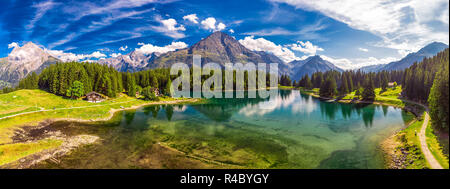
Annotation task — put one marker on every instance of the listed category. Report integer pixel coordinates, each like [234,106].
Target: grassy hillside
[29,107]
[37,105]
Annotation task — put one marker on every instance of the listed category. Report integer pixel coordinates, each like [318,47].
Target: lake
[296,131]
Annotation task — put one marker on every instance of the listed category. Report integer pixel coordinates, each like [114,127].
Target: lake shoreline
[392,156]
[34,158]
[112,111]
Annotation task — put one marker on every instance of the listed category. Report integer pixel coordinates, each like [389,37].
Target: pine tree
[369,90]
[439,99]
[168,88]
[328,88]
[343,89]
[308,83]
[131,86]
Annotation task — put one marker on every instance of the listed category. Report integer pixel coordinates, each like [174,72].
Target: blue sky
[348,33]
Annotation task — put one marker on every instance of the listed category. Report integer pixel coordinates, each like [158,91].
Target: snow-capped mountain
[24,60]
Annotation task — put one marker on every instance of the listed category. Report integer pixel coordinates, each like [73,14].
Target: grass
[409,139]
[56,107]
[388,97]
[13,152]
[435,148]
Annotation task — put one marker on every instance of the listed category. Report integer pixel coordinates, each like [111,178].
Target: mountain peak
[432,48]
[24,60]
[316,57]
[220,43]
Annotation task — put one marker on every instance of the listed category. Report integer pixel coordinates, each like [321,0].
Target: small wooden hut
[155,90]
[94,97]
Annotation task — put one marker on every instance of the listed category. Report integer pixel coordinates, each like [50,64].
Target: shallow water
[292,131]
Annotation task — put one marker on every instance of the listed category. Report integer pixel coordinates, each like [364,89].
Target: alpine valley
[218,47]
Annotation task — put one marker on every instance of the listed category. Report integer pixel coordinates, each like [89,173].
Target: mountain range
[312,64]
[220,48]
[23,60]
[426,52]
[217,47]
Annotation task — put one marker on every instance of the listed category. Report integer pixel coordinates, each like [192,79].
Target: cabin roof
[93,93]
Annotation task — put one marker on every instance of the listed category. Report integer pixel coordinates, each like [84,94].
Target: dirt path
[423,145]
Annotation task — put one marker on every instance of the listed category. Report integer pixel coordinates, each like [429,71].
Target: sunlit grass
[12,152]
[435,148]
[57,107]
[409,138]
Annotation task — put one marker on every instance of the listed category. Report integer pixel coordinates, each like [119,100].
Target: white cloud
[65,57]
[402,25]
[169,28]
[261,44]
[123,48]
[114,55]
[13,45]
[360,62]
[41,9]
[220,26]
[305,47]
[231,31]
[357,62]
[97,54]
[191,17]
[363,49]
[96,25]
[209,23]
[306,32]
[339,62]
[149,48]
[171,23]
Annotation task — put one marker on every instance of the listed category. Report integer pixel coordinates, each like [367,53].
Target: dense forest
[334,83]
[75,79]
[425,82]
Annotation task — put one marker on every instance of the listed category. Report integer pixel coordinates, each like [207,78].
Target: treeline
[418,79]
[334,83]
[438,100]
[74,79]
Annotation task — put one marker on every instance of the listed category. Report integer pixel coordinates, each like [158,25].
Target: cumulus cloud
[191,17]
[402,25]
[363,49]
[261,44]
[13,45]
[170,27]
[171,23]
[149,48]
[114,55]
[231,31]
[123,48]
[66,57]
[210,24]
[305,47]
[221,26]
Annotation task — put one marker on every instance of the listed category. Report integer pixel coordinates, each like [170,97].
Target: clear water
[298,131]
